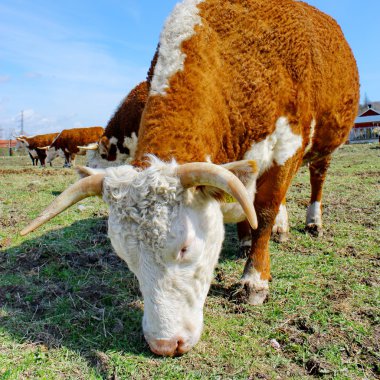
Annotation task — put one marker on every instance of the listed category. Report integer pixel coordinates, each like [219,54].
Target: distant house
[367,127]
[7,143]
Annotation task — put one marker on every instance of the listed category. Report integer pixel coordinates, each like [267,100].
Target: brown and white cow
[68,141]
[119,141]
[260,86]
[33,144]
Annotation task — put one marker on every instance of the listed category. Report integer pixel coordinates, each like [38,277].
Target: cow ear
[84,171]
[246,170]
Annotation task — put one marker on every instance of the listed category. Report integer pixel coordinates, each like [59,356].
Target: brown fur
[249,63]
[70,139]
[124,122]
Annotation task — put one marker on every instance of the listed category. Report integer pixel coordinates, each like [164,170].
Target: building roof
[367,119]
[370,112]
[370,115]
[5,143]
[373,108]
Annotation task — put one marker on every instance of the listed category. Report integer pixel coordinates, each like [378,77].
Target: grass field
[70,309]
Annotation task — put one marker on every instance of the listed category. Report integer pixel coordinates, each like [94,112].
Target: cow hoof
[244,294]
[280,237]
[314,230]
[257,297]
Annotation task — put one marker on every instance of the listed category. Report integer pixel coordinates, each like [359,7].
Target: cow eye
[182,252]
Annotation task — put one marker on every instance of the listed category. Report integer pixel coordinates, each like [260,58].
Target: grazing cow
[33,145]
[258,85]
[119,141]
[67,142]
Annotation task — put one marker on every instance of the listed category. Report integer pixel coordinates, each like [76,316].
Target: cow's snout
[169,347]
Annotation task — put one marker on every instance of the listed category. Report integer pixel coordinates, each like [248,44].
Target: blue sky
[69,63]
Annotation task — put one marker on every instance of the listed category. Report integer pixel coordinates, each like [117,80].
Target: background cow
[259,85]
[119,141]
[67,142]
[33,144]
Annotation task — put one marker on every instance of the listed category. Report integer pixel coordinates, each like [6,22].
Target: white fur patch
[314,214]
[277,148]
[152,218]
[311,136]
[131,144]
[94,159]
[232,212]
[281,223]
[23,143]
[246,242]
[52,153]
[33,153]
[178,28]
[254,281]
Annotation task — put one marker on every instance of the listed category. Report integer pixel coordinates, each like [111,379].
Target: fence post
[10,148]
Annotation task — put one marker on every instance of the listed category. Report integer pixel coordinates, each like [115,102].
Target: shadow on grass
[68,288]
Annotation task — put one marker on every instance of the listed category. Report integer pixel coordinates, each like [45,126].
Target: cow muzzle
[169,347]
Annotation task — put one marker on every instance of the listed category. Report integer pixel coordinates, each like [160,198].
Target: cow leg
[67,160]
[317,171]
[245,238]
[32,158]
[72,159]
[271,191]
[280,229]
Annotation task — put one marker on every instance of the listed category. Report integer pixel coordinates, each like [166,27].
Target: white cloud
[4,78]
[80,81]
[32,75]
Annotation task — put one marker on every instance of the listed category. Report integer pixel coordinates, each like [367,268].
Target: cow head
[52,152]
[166,222]
[107,151]
[22,142]
[102,154]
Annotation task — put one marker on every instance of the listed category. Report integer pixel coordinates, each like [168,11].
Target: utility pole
[22,123]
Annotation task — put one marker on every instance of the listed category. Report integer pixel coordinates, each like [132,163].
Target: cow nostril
[181,347]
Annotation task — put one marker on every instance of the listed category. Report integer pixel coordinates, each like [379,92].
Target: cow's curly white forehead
[144,203]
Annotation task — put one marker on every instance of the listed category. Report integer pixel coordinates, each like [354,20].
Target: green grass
[70,309]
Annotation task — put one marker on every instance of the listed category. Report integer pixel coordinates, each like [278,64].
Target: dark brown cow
[119,141]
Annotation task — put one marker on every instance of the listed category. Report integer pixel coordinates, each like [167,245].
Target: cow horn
[207,174]
[86,187]
[93,146]
[43,147]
